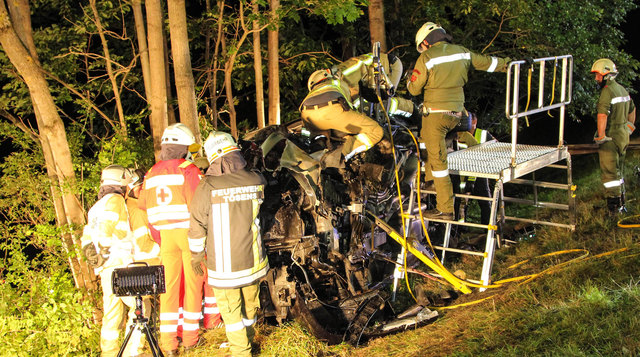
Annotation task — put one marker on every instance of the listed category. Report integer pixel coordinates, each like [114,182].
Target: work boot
[435,214]
[614,205]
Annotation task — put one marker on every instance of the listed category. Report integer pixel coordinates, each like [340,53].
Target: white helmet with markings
[318,76]
[179,134]
[218,144]
[424,31]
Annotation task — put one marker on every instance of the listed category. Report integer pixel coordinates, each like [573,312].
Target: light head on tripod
[138,279]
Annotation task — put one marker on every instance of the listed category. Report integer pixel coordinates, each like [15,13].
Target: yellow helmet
[424,31]
[604,66]
[115,175]
[318,76]
[218,144]
[178,133]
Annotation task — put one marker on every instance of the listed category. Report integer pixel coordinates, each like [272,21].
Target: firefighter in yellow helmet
[616,116]
[224,237]
[328,107]
[107,243]
[440,73]
[166,197]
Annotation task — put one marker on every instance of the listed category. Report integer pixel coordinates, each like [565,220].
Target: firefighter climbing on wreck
[441,73]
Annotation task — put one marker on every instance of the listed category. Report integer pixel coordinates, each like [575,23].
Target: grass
[584,303]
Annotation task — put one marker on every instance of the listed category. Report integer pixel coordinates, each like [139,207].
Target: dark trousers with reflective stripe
[435,127]
[612,156]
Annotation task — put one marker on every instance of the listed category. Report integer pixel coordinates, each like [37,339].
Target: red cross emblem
[163,195]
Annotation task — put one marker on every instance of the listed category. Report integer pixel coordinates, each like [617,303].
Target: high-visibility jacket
[167,192]
[225,223]
[442,71]
[145,247]
[327,91]
[361,68]
[108,229]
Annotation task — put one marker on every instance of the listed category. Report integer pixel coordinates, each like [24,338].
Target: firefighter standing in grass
[107,243]
[441,73]
[224,237]
[166,197]
[328,107]
[616,116]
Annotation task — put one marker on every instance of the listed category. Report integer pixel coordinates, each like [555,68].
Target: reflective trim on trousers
[248,322]
[190,327]
[494,64]
[192,315]
[235,326]
[442,173]
[614,183]
[211,310]
[210,300]
[169,328]
[357,150]
[164,316]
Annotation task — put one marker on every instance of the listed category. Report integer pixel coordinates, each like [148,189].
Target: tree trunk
[52,137]
[158,96]
[143,48]
[183,73]
[273,65]
[109,67]
[376,24]
[257,65]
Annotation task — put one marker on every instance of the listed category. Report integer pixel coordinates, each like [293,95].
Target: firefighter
[224,237]
[328,107]
[107,243]
[360,74]
[616,116]
[146,249]
[441,73]
[166,196]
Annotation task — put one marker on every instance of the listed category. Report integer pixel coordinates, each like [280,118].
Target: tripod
[141,322]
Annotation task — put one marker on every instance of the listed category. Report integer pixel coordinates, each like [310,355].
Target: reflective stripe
[443,173]
[160,227]
[356,103]
[197,244]
[221,239]
[109,334]
[357,66]
[611,184]
[190,327]
[211,310]
[168,316]
[359,149]
[226,280]
[494,64]
[210,300]
[123,226]
[109,216]
[234,327]
[446,59]
[172,209]
[192,315]
[620,99]
[168,328]
[248,322]
[140,232]
[164,180]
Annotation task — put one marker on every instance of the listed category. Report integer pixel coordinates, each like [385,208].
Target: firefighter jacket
[108,230]
[225,223]
[328,91]
[441,72]
[145,247]
[167,192]
[362,69]
[616,103]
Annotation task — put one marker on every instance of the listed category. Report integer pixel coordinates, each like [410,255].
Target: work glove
[601,140]
[94,259]
[630,127]
[197,260]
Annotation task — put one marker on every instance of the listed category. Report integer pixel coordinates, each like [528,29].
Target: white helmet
[424,31]
[115,175]
[218,144]
[605,67]
[178,133]
[318,76]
